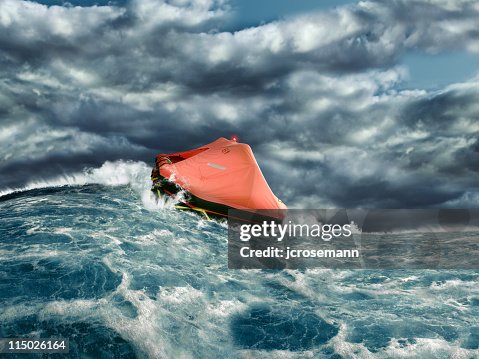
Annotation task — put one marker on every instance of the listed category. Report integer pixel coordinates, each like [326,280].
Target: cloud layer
[316,96]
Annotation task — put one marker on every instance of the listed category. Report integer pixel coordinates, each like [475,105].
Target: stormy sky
[325,96]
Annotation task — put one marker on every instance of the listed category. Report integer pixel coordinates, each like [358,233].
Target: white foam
[62,230]
[453,283]
[180,294]
[33,252]
[110,173]
[35,229]
[225,308]
[344,348]
[147,331]
[116,173]
[81,308]
[428,348]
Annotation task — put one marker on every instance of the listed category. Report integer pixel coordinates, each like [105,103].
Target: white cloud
[188,13]
[33,21]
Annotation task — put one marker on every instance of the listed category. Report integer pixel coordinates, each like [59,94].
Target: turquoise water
[94,258]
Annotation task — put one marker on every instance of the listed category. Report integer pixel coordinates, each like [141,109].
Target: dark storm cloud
[315,95]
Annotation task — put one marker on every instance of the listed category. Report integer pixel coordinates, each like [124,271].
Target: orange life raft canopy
[216,177]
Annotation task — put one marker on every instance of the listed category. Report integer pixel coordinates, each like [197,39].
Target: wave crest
[111,173]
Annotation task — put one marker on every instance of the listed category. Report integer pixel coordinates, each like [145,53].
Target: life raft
[215,178]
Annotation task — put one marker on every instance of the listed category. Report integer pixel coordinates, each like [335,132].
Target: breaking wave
[111,173]
[136,175]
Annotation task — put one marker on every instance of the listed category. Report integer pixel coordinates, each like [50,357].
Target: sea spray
[136,175]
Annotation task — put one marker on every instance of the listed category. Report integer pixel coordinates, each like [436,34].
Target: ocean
[94,257]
